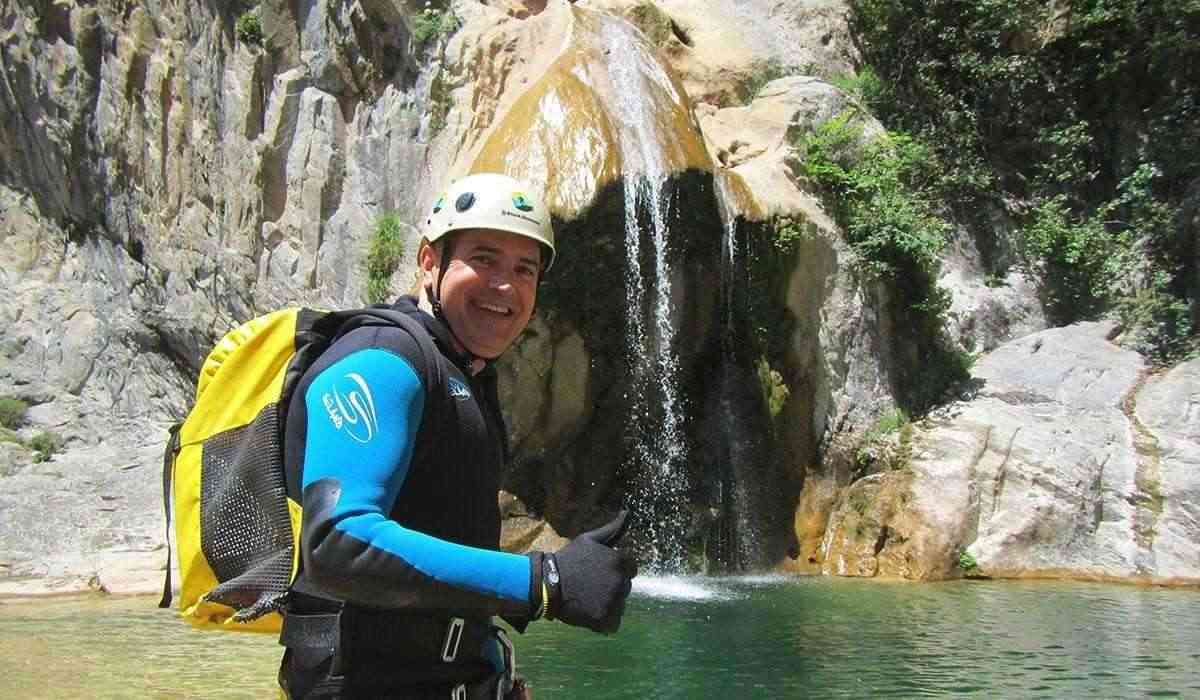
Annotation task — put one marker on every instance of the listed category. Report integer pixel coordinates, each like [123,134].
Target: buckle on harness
[459,692]
[450,649]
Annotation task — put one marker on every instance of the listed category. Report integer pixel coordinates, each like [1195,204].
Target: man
[396,444]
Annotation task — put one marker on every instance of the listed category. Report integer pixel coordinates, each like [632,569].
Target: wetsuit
[397,453]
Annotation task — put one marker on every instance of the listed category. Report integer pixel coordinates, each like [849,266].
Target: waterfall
[655,434]
[734,542]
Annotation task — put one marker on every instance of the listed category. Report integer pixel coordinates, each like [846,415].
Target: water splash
[696,588]
[706,588]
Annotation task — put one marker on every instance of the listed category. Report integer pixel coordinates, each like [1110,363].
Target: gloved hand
[593,579]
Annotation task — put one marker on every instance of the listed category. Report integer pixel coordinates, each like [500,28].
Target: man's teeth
[492,307]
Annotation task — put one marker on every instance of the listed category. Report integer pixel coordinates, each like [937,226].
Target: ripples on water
[686,637]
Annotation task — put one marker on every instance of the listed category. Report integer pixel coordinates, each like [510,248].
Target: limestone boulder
[1069,461]
[1165,419]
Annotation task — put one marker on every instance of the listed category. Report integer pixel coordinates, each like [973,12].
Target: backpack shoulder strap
[385,316]
[168,472]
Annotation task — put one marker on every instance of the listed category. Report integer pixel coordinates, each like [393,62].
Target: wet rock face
[569,380]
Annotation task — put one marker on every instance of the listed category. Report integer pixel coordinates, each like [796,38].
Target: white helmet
[491,201]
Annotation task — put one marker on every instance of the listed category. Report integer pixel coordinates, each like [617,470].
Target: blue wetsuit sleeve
[363,412]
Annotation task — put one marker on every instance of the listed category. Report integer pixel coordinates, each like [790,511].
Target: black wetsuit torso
[396,453]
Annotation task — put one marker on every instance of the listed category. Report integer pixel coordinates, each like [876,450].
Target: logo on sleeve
[459,390]
[353,410]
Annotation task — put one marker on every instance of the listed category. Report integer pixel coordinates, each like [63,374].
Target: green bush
[440,101]
[1046,112]
[1158,324]
[1072,258]
[865,86]
[45,445]
[881,196]
[967,562]
[431,24]
[249,28]
[773,387]
[1119,257]
[876,452]
[890,422]
[12,412]
[384,254]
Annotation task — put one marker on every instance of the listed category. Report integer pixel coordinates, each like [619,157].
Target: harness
[405,653]
[356,650]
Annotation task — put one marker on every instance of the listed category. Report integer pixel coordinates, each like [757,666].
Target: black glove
[588,580]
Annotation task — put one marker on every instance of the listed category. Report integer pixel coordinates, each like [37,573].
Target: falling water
[658,451]
[729,258]
[734,542]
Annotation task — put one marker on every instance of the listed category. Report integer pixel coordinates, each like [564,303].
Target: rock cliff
[166,174]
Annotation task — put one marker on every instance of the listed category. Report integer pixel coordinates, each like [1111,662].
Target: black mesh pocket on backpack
[245,530]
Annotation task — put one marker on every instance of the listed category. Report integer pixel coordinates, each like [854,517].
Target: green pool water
[749,637]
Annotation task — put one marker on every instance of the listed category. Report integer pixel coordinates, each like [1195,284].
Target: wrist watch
[553,583]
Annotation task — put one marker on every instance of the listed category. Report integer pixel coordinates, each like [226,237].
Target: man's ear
[428,259]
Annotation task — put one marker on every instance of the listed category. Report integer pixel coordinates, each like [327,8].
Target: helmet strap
[436,302]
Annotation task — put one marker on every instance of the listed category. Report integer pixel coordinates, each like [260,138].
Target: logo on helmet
[441,202]
[521,202]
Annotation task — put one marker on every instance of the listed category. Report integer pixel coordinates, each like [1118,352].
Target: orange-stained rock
[572,130]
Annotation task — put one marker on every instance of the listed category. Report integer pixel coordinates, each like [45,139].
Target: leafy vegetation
[440,101]
[12,416]
[967,562]
[45,445]
[878,451]
[249,28]
[865,85]
[879,194]
[770,254]
[432,23]
[882,191]
[383,257]
[1077,120]
[773,387]
[12,412]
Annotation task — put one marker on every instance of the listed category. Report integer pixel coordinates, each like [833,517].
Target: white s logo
[353,410]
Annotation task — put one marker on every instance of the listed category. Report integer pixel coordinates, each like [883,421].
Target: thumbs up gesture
[588,580]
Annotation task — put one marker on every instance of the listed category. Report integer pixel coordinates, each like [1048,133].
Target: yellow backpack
[236,529]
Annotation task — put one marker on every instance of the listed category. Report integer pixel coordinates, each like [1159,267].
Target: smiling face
[488,289]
